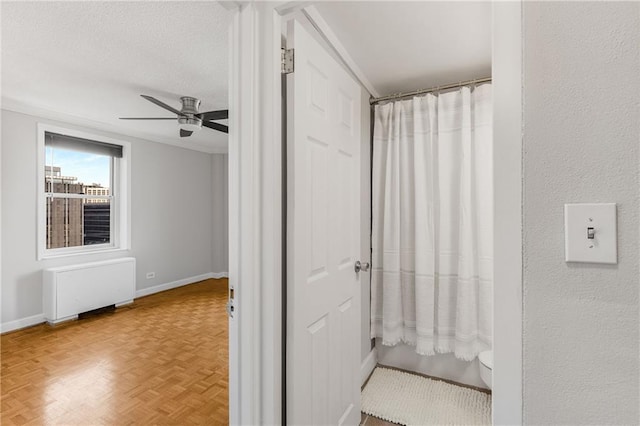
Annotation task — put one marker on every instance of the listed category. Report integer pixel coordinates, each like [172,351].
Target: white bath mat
[413,400]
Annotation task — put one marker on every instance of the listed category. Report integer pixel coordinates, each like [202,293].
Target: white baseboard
[179,283]
[367,366]
[217,275]
[21,323]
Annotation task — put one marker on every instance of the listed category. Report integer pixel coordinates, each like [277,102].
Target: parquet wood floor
[162,360]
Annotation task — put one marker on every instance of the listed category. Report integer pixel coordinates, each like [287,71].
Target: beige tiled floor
[368,420]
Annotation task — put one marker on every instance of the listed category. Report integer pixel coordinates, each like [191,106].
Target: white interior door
[323,237]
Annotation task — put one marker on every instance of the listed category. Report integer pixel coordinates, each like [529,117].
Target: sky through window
[88,168]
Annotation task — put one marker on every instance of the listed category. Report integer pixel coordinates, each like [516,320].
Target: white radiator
[71,290]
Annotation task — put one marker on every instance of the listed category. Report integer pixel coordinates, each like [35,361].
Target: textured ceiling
[404,46]
[92,60]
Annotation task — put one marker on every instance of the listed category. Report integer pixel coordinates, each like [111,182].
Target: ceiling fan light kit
[189,119]
[190,124]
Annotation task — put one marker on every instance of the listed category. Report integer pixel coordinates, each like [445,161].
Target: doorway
[262,23]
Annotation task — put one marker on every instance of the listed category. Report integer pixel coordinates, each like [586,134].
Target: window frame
[120,211]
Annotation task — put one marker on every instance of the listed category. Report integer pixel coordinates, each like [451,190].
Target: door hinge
[286,61]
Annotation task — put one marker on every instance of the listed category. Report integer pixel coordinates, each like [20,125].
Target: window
[83,193]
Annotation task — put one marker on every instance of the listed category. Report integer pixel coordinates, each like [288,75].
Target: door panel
[323,237]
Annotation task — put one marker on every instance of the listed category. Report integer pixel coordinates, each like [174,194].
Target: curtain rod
[373,101]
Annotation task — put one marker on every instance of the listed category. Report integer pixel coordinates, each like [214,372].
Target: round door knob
[361,266]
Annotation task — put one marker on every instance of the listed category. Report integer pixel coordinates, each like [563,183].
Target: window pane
[73,222]
[64,222]
[97,221]
[71,172]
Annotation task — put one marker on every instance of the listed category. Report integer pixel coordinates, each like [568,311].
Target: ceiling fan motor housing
[190,107]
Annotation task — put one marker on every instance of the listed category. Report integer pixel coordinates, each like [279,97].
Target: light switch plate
[602,248]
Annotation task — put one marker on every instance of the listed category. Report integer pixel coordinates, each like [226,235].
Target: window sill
[49,256]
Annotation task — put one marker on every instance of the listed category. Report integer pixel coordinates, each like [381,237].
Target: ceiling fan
[189,119]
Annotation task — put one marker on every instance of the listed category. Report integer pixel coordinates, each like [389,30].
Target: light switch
[590,233]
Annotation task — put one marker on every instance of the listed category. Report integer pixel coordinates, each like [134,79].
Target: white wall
[172,206]
[220,212]
[581,137]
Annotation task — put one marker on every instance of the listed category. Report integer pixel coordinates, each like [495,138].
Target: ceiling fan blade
[162,104]
[216,126]
[147,118]
[214,115]
[185,133]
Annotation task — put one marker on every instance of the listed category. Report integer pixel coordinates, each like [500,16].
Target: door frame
[255,211]
[507,51]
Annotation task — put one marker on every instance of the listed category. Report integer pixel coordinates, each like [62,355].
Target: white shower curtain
[432,272]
